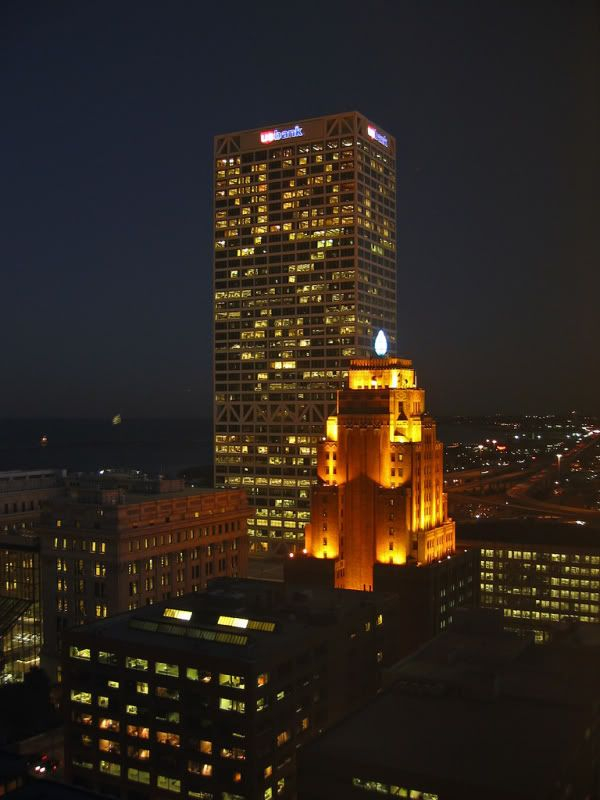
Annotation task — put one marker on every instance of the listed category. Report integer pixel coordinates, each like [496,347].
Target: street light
[558,458]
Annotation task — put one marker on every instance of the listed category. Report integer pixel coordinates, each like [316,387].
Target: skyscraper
[381,493]
[379,512]
[305,276]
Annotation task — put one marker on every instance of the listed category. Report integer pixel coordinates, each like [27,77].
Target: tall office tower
[305,275]
[381,493]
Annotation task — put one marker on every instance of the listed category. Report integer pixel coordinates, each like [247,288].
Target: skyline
[107,161]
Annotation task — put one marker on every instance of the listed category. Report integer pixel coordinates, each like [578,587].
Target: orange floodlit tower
[380,495]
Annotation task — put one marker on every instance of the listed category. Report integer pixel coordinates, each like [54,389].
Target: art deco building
[304,276]
[379,515]
[107,549]
[380,496]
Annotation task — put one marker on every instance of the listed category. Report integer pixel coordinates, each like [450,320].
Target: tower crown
[382,373]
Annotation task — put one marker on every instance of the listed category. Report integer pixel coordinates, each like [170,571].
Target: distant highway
[517,496]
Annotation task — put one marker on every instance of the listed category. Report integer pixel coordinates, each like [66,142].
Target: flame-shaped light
[381,345]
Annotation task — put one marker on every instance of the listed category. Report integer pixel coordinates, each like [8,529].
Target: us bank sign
[275,136]
[379,137]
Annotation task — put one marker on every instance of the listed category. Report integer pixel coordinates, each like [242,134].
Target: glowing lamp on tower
[381,345]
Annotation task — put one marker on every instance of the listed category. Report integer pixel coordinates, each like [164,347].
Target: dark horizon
[110,111]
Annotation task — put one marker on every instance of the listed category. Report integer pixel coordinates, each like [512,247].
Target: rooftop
[529,531]
[514,707]
[242,618]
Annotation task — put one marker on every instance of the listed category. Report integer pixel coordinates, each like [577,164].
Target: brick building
[108,549]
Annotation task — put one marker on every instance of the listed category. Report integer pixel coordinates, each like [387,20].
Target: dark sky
[107,115]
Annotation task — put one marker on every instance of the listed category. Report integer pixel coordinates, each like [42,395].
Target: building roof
[529,532]
[19,540]
[514,708]
[237,618]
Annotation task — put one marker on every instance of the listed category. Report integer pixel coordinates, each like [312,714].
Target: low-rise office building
[537,571]
[478,712]
[106,549]
[23,494]
[209,695]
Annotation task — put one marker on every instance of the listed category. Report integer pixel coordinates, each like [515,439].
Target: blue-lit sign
[379,137]
[275,136]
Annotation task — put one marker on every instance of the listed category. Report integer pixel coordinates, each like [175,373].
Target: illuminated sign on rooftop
[275,135]
[379,137]
[381,345]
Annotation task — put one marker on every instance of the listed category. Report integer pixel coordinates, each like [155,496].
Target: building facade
[107,550]
[20,605]
[210,696]
[304,276]
[538,572]
[23,494]
[379,513]
[380,495]
[478,712]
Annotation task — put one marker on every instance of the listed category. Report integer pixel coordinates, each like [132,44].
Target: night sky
[108,111]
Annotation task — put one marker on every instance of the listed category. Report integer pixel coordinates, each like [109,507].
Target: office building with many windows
[478,712]
[23,494]
[537,571]
[123,541]
[304,277]
[209,696]
[20,605]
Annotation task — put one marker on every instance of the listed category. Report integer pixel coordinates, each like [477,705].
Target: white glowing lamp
[381,345]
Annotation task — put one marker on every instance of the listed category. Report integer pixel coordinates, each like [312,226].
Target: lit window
[177,613]
[194,674]
[170,784]
[162,668]
[108,746]
[136,663]
[166,737]
[83,653]
[227,704]
[81,697]
[138,731]
[109,724]
[138,775]
[107,658]
[109,768]
[282,738]
[234,681]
